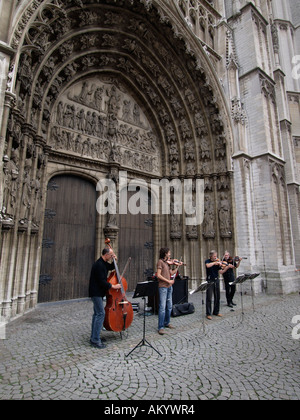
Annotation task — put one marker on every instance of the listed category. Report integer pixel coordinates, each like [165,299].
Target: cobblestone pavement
[47,355]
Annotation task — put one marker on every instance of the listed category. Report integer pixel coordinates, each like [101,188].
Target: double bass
[118,310]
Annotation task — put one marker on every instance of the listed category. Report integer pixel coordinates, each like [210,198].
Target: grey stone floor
[249,356]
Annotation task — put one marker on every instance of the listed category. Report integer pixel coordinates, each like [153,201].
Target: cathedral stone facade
[154,89]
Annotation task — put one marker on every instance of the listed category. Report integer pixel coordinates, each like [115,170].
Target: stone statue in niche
[11,180]
[170,133]
[216,123]
[113,201]
[189,150]
[175,218]
[174,169]
[192,232]
[206,167]
[177,107]
[191,98]
[221,165]
[185,129]
[36,185]
[220,146]
[34,117]
[225,216]
[190,168]
[204,146]
[209,217]
[25,73]
[223,183]
[26,193]
[17,133]
[60,113]
[201,128]
[175,225]
[173,153]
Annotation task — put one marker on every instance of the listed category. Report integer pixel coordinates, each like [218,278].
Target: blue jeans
[97,320]
[165,306]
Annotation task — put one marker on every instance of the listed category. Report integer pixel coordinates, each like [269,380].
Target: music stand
[240,280]
[202,288]
[143,289]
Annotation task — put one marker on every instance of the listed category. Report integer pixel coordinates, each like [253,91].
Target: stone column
[37,229]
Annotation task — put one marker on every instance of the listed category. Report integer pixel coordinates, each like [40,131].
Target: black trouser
[213,289]
[229,290]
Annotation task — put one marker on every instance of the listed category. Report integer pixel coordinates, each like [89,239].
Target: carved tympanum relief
[97,118]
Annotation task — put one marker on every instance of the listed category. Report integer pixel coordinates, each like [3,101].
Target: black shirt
[229,274]
[98,279]
[212,273]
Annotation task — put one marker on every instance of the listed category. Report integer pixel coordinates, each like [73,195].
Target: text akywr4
[171,409]
[157,409]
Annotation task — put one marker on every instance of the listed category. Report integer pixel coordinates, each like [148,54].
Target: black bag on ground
[183,309]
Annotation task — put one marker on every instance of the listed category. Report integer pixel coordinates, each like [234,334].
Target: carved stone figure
[36,185]
[11,174]
[26,193]
[225,216]
[209,218]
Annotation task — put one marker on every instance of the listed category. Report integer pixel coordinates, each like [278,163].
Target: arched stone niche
[105,85]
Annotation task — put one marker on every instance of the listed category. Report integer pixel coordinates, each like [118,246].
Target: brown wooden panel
[136,241]
[69,239]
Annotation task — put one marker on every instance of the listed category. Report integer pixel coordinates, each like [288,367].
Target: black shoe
[98,345]
[234,304]
[230,305]
[103,340]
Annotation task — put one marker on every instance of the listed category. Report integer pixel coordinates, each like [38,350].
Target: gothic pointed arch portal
[103,86]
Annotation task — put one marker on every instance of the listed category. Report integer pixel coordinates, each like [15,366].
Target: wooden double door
[69,241]
[136,241]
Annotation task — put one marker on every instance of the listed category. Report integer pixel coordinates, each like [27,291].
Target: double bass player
[98,288]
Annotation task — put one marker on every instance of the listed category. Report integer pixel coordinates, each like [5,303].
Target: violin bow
[125,268]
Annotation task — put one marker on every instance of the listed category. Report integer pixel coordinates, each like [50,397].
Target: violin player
[229,277]
[213,266]
[98,288]
[165,274]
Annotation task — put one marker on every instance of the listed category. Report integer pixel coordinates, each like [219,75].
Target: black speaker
[180,293]
[180,290]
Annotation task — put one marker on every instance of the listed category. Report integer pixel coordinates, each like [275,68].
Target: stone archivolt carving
[109,35]
[97,119]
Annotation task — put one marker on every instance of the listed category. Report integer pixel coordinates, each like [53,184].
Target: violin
[118,310]
[175,262]
[231,260]
[236,259]
[222,263]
